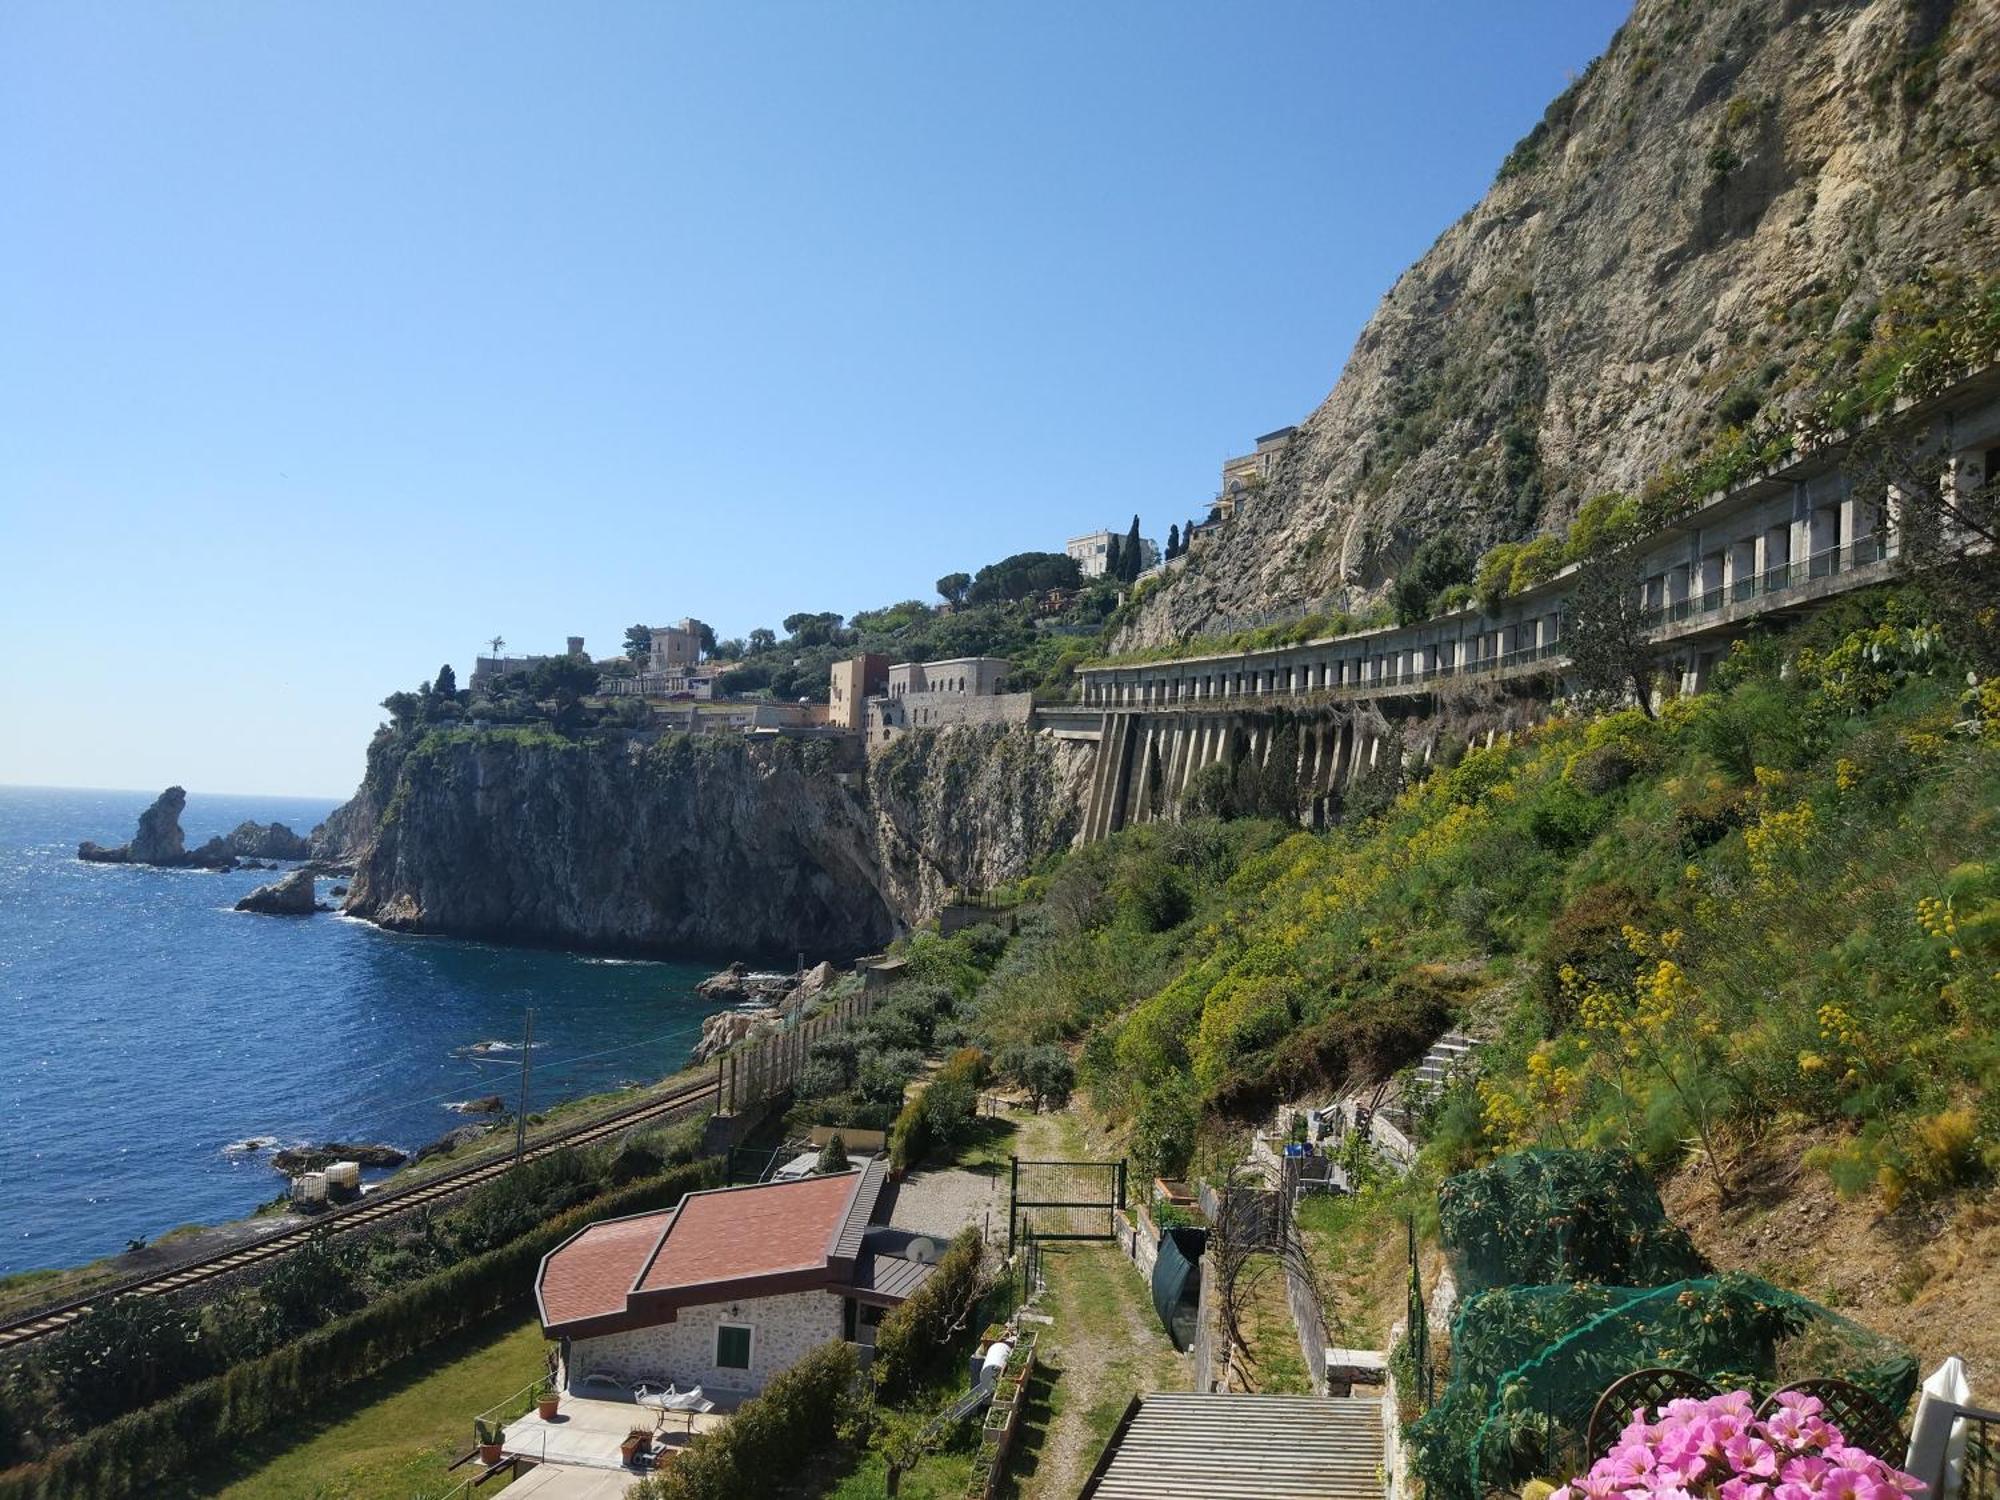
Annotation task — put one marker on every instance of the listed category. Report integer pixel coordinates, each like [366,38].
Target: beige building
[855,681]
[1092,551]
[675,648]
[936,694]
[1248,472]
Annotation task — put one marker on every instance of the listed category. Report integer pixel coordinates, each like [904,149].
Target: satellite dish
[923,1250]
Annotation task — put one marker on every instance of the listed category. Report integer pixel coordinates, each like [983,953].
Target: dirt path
[1104,1346]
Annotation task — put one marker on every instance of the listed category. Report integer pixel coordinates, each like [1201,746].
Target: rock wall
[970,807]
[700,844]
[1726,195]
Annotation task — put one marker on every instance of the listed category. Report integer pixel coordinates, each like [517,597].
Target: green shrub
[922,1336]
[801,1414]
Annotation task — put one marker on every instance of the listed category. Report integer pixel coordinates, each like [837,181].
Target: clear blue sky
[338,338]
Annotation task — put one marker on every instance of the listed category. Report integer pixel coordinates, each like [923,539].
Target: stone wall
[785,1329]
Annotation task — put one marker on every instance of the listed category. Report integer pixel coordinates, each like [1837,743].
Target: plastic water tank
[310,1187]
[995,1362]
[344,1174]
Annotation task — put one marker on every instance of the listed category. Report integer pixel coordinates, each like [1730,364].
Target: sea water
[146,1027]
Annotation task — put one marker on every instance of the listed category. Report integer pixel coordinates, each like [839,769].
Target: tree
[707,634]
[1946,528]
[1173,543]
[403,708]
[638,642]
[1604,629]
[953,587]
[812,629]
[832,1156]
[763,639]
[1023,576]
[1187,535]
[446,684]
[1114,560]
[731,649]
[1439,562]
[1135,554]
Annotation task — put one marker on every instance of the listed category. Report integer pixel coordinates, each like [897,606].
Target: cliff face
[699,844]
[971,808]
[1728,192]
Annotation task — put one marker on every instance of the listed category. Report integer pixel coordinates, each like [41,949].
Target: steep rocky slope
[1708,223]
[697,844]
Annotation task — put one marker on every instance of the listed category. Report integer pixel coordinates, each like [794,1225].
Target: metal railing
[1783,579]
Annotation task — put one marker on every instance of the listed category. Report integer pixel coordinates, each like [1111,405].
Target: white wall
[786,1329]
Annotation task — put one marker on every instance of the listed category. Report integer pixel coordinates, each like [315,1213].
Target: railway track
[370,1212]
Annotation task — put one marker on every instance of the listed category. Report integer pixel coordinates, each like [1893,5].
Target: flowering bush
[1720,1448]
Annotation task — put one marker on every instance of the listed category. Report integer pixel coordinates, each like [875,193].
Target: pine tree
[446,685]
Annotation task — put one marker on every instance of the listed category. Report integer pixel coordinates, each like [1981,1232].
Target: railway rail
[370,1212]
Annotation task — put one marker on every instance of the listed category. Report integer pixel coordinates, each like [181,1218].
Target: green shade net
[1177,1283]
[1546,1218]
[1530,1362]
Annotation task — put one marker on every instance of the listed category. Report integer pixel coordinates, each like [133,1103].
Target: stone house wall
[785,1329]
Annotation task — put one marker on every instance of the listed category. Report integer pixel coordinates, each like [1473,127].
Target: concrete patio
[589,1433]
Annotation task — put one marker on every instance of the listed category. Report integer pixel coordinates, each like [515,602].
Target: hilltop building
[1248,472]
[1092,551]
[855,681]
[487,670]
[883,701]
[675,648]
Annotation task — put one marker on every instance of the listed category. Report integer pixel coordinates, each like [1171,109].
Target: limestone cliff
[699,844]
[970,808]
[1729,198]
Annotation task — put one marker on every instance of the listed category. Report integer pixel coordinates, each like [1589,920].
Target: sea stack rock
[159,841]
[268,841]
[290,897]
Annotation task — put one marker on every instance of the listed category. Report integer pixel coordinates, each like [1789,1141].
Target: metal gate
[1064,1200]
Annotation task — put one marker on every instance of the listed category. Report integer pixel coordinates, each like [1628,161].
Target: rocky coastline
[160,843]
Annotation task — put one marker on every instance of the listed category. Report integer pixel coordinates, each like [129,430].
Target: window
[732,1346]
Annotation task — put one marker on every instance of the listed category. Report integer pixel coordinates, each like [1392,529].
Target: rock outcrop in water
[268,841]
[160,841]
[701,844]
[1708,224]
[293,896]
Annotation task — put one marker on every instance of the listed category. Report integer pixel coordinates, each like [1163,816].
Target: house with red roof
[730,1287]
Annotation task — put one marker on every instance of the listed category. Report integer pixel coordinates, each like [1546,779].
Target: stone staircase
[1450,1055]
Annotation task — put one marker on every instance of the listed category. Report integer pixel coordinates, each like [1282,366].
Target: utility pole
[527,1062]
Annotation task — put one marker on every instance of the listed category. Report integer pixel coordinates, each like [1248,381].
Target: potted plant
[487,1435]
[546,1401]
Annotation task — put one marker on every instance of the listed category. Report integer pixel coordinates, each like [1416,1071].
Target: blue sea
[145,1026]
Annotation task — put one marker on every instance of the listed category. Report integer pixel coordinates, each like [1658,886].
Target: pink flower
[1740,1488]
[1786,1428]
[1751,1456]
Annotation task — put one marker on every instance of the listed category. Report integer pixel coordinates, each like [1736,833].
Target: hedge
[801,1414]
[917,1337]
[204,1421]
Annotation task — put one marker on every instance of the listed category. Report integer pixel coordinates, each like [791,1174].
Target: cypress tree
[1173,543]
[1134,555]
[1114,563]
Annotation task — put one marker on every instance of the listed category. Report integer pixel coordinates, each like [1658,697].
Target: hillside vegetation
[1773,911]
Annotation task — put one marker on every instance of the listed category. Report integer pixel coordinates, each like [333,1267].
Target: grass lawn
[1277,1364]
[391,1436]
[939,1476]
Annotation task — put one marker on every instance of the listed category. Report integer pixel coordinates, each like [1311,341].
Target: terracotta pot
[489,1454]
[545,1407]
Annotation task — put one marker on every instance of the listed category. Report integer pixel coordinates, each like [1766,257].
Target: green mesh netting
[1177,1283]
[1529,1363]
[1546,1218]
